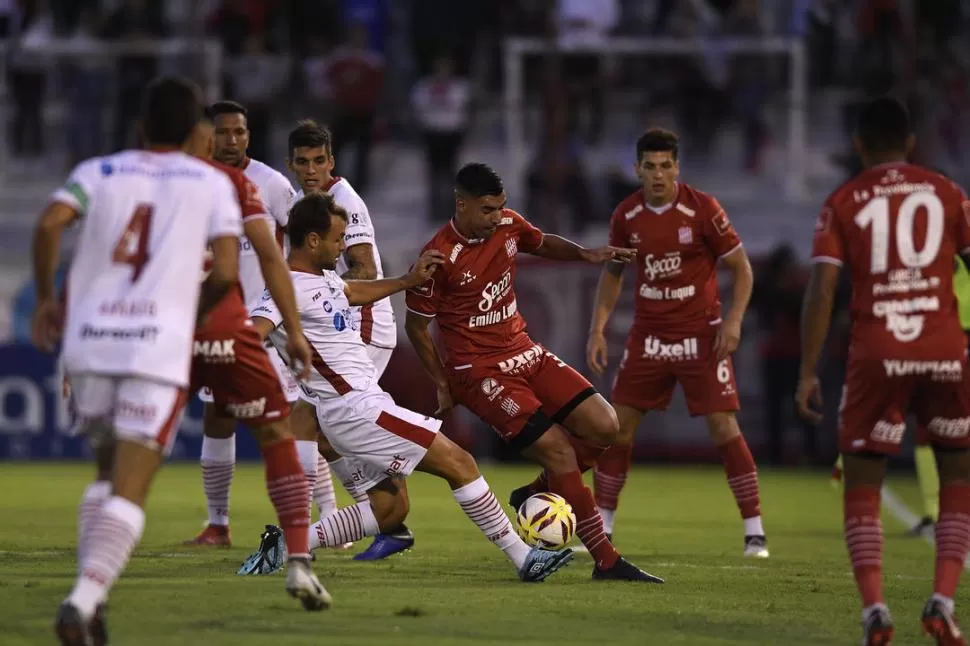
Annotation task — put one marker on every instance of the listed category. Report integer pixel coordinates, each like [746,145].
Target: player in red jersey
[229,359]
[538,405]
[678,335]
[898,227]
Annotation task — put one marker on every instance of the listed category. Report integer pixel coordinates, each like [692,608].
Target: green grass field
[454,588]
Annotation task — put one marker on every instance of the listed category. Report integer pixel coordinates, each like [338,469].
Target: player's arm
[418,331]
[222,277]
[263,326]
[45,327]
[740,265]
[556,247]
[275,272]
[364,292]
[360,262]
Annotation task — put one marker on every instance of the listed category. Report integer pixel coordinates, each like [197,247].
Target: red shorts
[229,359]
[872,415]
[507,393]
[653,364]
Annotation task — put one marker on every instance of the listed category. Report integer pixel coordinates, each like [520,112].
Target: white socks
[608,516]
[94,497]
[218,465]
[479,504]
[752,526]
[348,525]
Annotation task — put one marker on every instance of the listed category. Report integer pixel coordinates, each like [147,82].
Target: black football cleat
[519,496]
[97,629]
[623,570]
[70,627]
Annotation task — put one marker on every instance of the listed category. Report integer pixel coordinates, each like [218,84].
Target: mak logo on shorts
[682,350]
[218,351]
[398,463]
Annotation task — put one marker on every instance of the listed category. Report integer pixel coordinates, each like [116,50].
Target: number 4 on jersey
[132,247]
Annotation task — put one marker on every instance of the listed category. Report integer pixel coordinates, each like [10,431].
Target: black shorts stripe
[534,428]
[573,403]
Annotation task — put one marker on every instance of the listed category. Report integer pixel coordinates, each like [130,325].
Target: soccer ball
[546,520]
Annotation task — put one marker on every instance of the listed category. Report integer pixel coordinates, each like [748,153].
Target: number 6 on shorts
[724,371]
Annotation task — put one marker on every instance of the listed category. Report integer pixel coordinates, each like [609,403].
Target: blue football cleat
[269,557]
[385,545]
[541,563]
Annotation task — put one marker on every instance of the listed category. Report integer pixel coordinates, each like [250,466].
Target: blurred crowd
[426,72]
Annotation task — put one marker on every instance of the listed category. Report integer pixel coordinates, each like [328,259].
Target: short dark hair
[311,214]
[658,140]
[171,108]
[309,134]
[883,125]
[478,180]
[227,107]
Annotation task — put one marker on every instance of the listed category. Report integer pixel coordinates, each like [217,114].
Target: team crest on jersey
[685,235]
[511,247]
[327,307]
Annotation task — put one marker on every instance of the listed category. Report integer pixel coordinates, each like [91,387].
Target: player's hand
[727,340]
[445,401]
[808,399]
[424,268]
[596,353]
[301,356]
[603,254]
[47,325]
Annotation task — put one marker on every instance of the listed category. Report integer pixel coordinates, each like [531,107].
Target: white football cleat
[302,584]
[756,547]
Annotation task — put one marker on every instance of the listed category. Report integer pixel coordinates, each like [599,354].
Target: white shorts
[291,387]
[133,408]
[378,438]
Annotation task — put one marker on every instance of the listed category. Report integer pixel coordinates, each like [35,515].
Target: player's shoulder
[694,202]
[268,176]
[345,195]
[629,207]
[512,218]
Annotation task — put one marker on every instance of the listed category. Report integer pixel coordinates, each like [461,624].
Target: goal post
[517,49]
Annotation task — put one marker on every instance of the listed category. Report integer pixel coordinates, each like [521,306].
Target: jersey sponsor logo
[721,223]
[505,221]
[339,322]
[903,317]
[327,307]
[144,333]
[397,465]
[354,236]
[218,351]
[133,410]
[902,281]
[685,210]
[78,193]
[888,432]
[262,309]
[662,267]
[668,293]
[521,361]
[683,350]
[495,316]
[491,388]
[511,247]
[495,291]
[904,188]
[942,369]
[949,427]
[455,251]
[247,410]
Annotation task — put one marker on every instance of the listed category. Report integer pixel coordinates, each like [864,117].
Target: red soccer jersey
[899,228]
[233,306]
[472,295]
[677,253]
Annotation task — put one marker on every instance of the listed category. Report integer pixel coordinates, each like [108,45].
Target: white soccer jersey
[133,287]
[277,194]
[340,360]
[377,325]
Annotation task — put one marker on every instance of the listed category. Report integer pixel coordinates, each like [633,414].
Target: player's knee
[723,427]
[605,427]
[628,420]
[553,451]
[272,432]
[451,462]
[594,421]
[216,426]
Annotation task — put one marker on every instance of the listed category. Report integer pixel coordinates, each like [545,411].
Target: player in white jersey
[219,443]
[310,158]
[133,301]
[378,440]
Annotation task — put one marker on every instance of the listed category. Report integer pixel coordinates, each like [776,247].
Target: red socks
[742,476]
[610,473]
[289,493]
[589,524]
[863,537]
[952,537]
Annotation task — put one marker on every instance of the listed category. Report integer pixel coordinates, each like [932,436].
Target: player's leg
[218,465]
[711,391]
[610,473]
[871,426]
[145,416]
[929,483]
[944,413]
